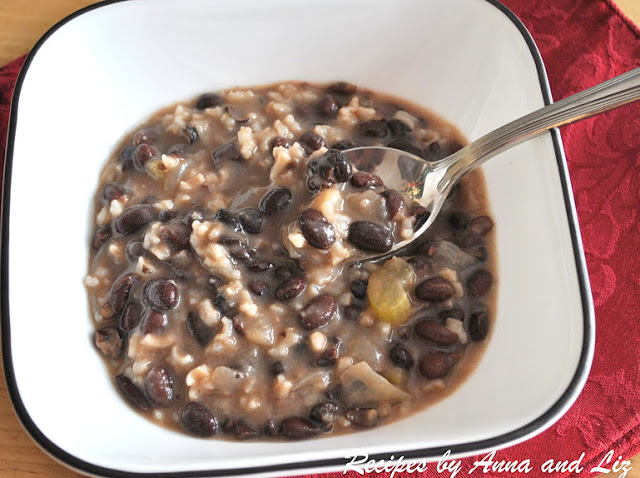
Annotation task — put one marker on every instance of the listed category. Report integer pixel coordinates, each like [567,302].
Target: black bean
[393,202]
[480,253]
[277,368]
[126,155]
[328,106]
[319,174]
[478,326]
[132,392]
[237,113]
[398,128]
[324,412]
[479,283]
[242,431]
[342,169]
[453,313]
[359,288]
[331,167]
[111,192]
[341,88]
[435,332]
[481,225]
[437,151]
[435,365]
[291,288]
[372,129]
[120,292]
[280,141]
[361,180]
[154,322]
[223,305]
[225,216]
[311,142]
[177,235]
[176,150]
[134,250]
[326,427]
[401,357]
[270,429]
[251,220]
[229,240]
[352,312]
[258,287]
[238,324]
[316,229]
[433,152]
[142,154]
[102,235]
[364,417]
[131,317]
[345,144]
[166,215]
[298,428]
[421,266]
[260,265]
[436,289]
[329,355]
[134,218]
[242,252]
[198,419]
[370,237]
[144,136]
[109,341]
[198,329]
[275,200]
[459,220]
[208,100]
[318,312]
[158,383]
[162,294]
[404,144]
[190,133]
[226,152]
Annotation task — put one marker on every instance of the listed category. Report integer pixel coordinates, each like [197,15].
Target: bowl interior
[106,70]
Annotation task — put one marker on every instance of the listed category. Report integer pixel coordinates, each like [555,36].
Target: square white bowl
[105,69]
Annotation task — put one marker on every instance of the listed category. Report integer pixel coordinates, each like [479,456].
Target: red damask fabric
[582,42]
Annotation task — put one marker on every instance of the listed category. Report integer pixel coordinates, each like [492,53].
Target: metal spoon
[430,182]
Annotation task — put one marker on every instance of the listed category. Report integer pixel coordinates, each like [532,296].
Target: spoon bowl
[430,182]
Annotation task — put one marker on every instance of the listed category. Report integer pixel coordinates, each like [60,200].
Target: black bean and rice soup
[220,282]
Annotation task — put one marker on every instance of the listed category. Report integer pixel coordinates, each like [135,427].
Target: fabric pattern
[582,42]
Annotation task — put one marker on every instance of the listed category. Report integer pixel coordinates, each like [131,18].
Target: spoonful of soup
[399,174]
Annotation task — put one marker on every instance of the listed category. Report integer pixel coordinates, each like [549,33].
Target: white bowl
[102,71]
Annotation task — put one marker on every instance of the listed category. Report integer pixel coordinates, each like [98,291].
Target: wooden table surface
[22,23]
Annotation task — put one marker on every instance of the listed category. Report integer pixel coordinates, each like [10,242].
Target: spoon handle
[615,92]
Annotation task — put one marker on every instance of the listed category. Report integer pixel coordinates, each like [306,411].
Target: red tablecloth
[583,42]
